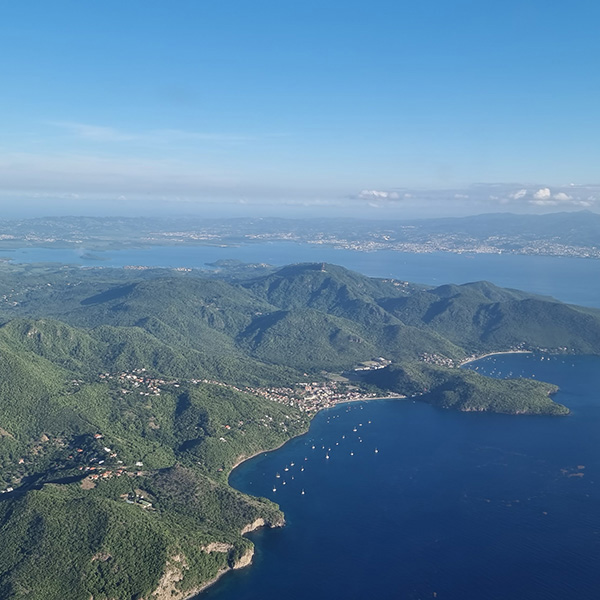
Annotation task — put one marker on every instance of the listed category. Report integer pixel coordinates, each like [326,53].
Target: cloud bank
[486,198]
[378,195]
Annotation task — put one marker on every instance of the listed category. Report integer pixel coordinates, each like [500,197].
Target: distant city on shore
[569,234]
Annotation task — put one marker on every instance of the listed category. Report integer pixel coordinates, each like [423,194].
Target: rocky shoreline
[174,573]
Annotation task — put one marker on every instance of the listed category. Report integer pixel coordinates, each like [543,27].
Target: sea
[396,499]
[575,280]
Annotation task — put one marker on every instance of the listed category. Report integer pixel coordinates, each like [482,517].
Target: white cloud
[378,195]
[518,194]
[542,194]
[562,197]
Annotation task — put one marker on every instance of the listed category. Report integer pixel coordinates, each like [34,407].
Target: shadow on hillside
[113,294]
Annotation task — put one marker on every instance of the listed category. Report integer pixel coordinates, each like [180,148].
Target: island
[128,396]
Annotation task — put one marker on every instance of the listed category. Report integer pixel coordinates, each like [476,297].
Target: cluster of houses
[138,498]
[314,396]
[310,397]
[100,470]
[307,397]
[138,381]
[437,359]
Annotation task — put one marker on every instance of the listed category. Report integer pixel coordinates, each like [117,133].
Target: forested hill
[126,398]
[348,316]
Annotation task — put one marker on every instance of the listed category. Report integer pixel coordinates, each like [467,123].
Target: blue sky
[354,107]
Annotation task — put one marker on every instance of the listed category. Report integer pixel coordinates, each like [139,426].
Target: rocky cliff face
[168,587]
[245,559]
[260,522]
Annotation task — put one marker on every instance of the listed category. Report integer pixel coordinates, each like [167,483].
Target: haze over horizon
[374,110]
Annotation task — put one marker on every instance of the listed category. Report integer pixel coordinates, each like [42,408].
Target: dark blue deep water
[452,506]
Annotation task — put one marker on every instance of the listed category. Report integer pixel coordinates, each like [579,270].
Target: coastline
[471,359]
[244,561]
[247,529]
[242,459]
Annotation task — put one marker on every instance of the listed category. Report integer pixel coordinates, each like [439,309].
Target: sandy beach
[479,357]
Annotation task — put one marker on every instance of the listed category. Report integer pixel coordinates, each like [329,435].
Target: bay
[574,280]
[452,505]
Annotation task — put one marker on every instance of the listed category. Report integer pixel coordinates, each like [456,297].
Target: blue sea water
[452,505]
[575,280]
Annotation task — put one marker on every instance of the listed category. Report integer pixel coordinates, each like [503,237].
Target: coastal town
[308,397]
[419,237]
[93,460]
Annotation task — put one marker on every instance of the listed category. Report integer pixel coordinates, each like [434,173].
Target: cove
[451,505]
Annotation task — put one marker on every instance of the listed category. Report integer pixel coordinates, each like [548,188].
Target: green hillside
[69,543]
[485,318]
[177,448]
[468,391]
